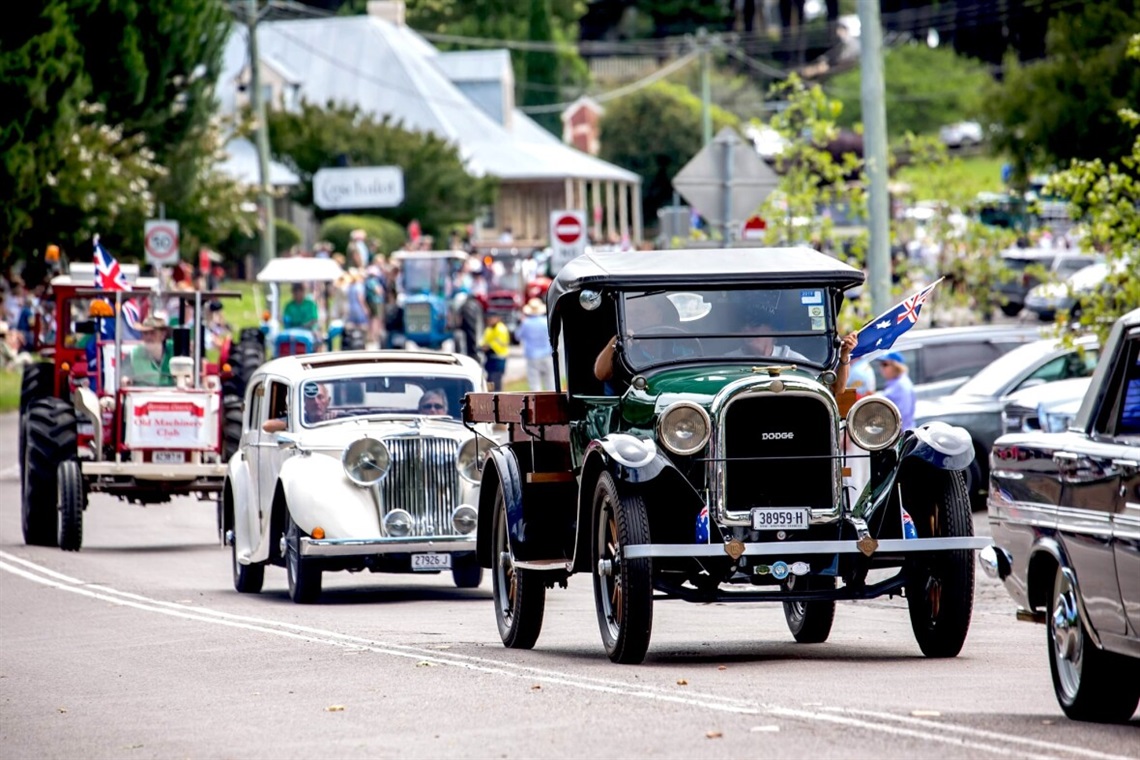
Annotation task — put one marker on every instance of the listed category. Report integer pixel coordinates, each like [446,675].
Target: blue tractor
[431,306]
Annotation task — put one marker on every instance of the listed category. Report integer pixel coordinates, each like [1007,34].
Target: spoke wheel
[623,588]
[304,576]
[72,501]
[810,622]
[520,595]
[1090,683]
[940,585]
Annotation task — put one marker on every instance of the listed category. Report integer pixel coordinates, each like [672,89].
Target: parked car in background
[940,359]
[977,404]
[1065,513]
[1022,410]
[354,462]
[1049,299]
[1058,263]
[960,134]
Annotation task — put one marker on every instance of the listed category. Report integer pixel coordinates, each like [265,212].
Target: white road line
[714,702]
[979,732]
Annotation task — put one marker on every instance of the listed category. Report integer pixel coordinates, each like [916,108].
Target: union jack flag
[881,332]
[108,274]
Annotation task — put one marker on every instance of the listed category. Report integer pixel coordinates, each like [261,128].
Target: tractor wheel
[250,356]
[49,439]
[36,383]
[231,426]
[940,585]
[72,503]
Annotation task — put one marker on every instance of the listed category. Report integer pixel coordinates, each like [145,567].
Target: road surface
[138,647]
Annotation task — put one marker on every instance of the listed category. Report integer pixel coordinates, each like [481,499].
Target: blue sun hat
[893,356]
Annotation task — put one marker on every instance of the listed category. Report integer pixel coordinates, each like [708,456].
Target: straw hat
[152,322]
[534,307]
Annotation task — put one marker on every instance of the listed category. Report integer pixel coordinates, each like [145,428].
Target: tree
[674,114]
[1064,106]
[541,67]
[925,88]
[438,191]
[41,86]
[1103,197]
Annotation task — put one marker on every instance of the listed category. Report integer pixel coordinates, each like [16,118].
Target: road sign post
[567,237]
[160,242]
[726,181]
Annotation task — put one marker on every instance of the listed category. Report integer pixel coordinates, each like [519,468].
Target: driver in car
[317,403]
[645,315]
[433,403]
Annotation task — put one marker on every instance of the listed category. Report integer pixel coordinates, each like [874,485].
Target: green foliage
[673,113]
[287,235]
[385,235]
[242,243]
[925,89]
[41,86]
[957,180]
[671,17]
[438,191]
[1103,196]
[541,67]
[1064,106]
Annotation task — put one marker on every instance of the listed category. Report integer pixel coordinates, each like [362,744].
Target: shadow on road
[388,595]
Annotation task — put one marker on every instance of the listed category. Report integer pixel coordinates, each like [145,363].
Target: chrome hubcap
[1068,637]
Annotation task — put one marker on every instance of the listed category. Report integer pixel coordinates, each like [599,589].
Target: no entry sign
[160,240]
[567,237]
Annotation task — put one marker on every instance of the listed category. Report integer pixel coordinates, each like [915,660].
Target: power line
[661,73]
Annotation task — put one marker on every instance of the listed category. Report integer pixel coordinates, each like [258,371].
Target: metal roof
[241,165]
[390,70]
[696,268]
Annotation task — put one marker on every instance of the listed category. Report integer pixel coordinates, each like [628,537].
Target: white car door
[270,455]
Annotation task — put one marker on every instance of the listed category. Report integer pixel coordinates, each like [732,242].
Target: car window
[369,396]
[257,400]
[1121,412]
[998,374]
[1070,365]
[956,360]
[1066,267]
[279,401]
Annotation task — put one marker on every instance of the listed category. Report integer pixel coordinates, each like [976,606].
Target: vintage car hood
[341,433]
[701,384]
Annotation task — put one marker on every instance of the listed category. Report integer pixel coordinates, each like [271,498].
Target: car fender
[628,458]
[318,493]
[935,444]
[239,484]
[500,470]
[1039,584]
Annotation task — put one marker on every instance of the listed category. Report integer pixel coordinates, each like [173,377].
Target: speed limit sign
[160,240]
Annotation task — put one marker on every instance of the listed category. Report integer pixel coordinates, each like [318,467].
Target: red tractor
[92,420]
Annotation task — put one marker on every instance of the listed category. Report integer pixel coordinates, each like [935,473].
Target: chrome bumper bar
[795,548]
[355,547]
[151,471]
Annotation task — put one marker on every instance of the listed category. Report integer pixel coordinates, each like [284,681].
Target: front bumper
[794,548]
[364,547]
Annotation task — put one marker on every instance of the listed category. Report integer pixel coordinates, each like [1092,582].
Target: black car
[1065,513]
[940,359]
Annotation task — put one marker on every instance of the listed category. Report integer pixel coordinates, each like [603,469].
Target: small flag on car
[881,332]
[908,529]
[108,274]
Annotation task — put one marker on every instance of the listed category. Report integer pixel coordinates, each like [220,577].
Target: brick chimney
[389,10]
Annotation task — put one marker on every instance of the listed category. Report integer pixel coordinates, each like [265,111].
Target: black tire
[623,598]
[248,579]
[250,356]
[231,425]
[49,438]
[1011,309]
[465,571]
[471,325]
[1091,684]
[304,575]
[520,595]
[810,622]
[35,383]
[72,501]
[353,339]
[940,585]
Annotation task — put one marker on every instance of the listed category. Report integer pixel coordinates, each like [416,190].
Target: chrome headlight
[366,461]
[684,428]
[464,519]
[874,423]
[469,460]
[398,523]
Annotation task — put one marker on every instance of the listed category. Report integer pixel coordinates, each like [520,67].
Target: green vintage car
[710,463]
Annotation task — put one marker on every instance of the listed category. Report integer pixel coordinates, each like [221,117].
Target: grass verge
[959,180]
[9,390]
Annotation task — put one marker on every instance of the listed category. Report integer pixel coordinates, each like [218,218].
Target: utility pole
[706,98]
[264,195]
[875,153]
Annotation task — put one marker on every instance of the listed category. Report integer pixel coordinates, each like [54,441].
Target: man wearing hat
[898,387]
[534,335]
[150,361]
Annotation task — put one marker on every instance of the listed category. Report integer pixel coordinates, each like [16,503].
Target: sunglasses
[432,406]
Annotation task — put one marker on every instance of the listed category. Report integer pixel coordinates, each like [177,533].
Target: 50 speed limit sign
[161,242]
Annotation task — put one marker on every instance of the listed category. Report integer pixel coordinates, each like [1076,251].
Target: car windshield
[997,375]
[344,398]
[779,325]
[427,275]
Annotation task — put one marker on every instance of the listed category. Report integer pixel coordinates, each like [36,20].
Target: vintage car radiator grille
[424,482]
[778,426]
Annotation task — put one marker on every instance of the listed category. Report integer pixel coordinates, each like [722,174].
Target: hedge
[337,229]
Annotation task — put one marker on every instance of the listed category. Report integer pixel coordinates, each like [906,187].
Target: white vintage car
[354,461]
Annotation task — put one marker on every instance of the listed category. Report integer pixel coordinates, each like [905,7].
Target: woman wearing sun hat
[898,387]
[534,335]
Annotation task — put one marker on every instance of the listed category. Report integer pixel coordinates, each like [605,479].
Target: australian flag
[108,274]
[882,331]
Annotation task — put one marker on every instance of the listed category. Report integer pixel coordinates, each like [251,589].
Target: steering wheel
[669,329]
